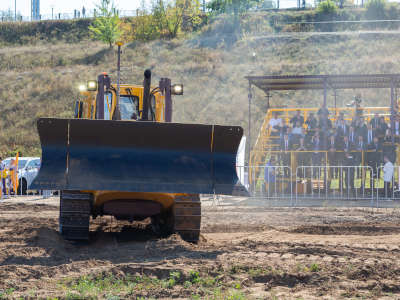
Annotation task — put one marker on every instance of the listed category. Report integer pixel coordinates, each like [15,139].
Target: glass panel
[128,106]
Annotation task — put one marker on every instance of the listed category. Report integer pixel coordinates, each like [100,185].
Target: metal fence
[341,186]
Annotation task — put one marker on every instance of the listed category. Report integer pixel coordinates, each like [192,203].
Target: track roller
[75,209]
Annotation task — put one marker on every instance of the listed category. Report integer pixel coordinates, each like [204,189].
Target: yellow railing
[264,140]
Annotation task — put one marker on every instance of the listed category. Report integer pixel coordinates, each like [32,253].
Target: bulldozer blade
[81,154]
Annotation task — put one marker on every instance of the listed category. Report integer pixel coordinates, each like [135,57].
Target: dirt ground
[248,252]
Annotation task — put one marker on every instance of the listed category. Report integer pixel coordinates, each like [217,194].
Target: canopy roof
[320,82]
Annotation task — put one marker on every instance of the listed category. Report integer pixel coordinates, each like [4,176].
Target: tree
[327,7]
[171,15]
[232,7]
[376,9]
[106,24]
[235,7]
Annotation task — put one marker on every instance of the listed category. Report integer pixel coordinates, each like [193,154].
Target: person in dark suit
[362,129]
[316,156]
[396,129]
[303,158]
[360,147]
[370,134]
[349,163]
[352,135]
[285,147]
[347,145]
[381,129]
[342,128]
[333,156]
[388,148]
[375,121]
[298,118]
[375,156]
[312,123]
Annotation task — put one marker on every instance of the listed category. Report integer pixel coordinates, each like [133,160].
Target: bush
[376,9]
[327,7]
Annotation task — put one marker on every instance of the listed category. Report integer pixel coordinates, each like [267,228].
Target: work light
[92,85]
[177,89]
[82,88]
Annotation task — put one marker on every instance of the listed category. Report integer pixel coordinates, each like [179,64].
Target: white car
[28,168]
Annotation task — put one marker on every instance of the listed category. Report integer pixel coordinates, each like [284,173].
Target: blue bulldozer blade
[132,156]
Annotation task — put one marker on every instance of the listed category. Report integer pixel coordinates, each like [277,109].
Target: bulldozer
[121,155]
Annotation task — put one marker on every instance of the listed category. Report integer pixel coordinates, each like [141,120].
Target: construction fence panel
[334,186]
[316,186]
[270,183]
[387,186]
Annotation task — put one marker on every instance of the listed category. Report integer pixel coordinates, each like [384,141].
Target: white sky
[63,6]
[68,6]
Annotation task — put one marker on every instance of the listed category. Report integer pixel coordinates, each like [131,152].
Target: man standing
[298,118]
[342,128]
[275,124]
[285,154]
[352,135]
[349,163]
[387,176]
[360,147]
[375,121]
[370,135]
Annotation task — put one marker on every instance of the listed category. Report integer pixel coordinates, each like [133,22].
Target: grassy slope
[42,80]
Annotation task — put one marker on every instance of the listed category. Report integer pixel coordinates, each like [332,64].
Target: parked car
[28,168]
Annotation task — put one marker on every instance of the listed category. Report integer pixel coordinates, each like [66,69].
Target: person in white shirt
[388,170]
[275,124]
[297,129]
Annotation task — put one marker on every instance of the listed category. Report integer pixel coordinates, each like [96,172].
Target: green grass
[7,293]
[194,284]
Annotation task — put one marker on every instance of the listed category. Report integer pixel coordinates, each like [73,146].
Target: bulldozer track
[74,217]
[187,217]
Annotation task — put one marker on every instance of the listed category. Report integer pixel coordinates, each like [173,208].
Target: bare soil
[267,253]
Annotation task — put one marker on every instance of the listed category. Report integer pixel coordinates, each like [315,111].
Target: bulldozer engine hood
[83,154]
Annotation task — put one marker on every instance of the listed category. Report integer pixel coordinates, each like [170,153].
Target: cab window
[129,106]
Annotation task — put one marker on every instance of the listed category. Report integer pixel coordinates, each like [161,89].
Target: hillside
[41,79]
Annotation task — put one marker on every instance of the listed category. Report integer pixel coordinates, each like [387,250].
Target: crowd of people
[334,141]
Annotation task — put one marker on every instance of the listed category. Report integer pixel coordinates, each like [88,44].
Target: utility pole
[15,10]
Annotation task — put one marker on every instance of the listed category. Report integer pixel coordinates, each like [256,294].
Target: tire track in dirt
[293,254]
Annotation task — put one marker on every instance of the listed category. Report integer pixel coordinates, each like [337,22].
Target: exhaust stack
[146,95]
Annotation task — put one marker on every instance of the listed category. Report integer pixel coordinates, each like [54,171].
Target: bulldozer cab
[130,104]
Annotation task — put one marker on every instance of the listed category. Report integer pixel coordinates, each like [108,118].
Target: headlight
[92,85]
[177,89]
[82,88]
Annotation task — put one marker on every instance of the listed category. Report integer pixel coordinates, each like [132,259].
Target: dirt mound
[348,229]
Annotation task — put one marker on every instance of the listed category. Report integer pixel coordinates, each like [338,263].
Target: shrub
[327,7]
